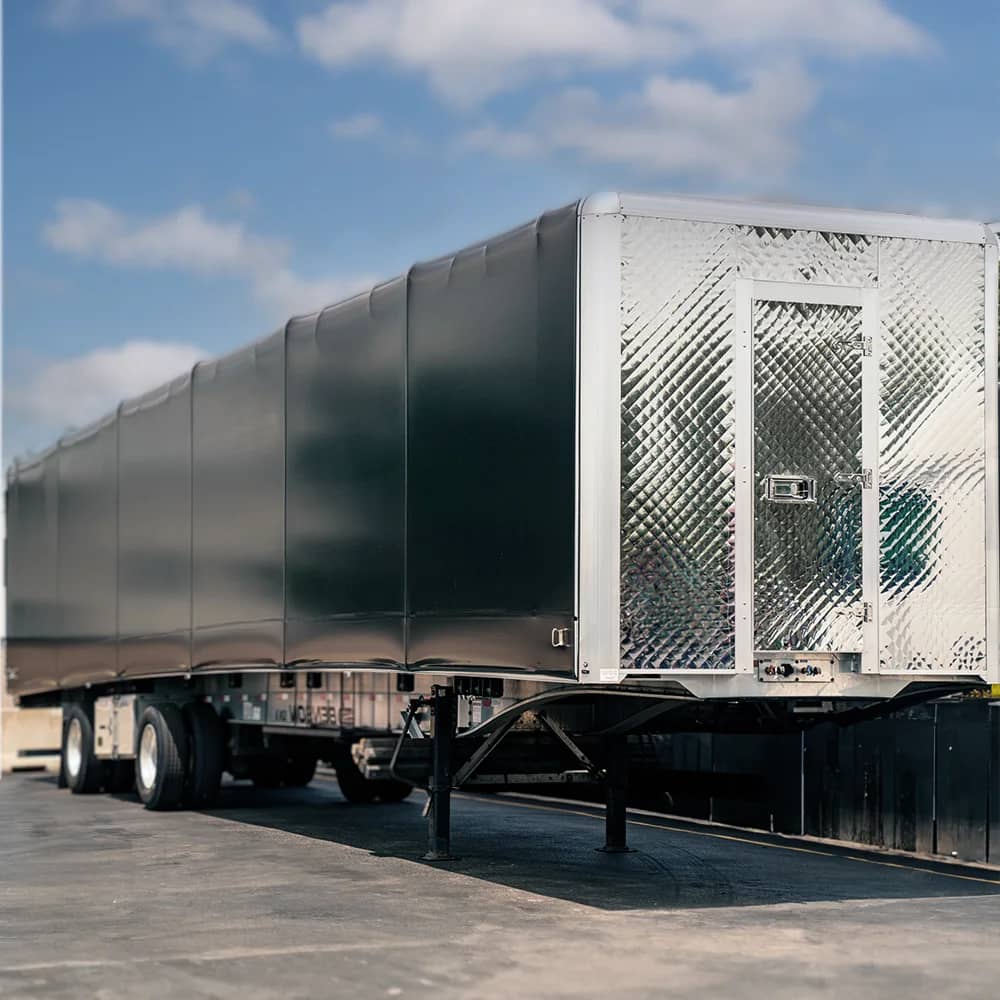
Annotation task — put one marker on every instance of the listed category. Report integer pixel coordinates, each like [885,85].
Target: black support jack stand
[444,707]
[615,787]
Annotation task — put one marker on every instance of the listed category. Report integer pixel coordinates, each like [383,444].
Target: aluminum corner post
[992,404]
[599,441]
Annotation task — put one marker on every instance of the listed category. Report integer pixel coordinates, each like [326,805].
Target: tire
[61,781]
[207,743]
[297,772]
[266,772]
[84,772]
[354,786]
[120,777]
[161,757]
[392,790]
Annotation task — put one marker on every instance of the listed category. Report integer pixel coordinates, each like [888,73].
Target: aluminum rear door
[809,471]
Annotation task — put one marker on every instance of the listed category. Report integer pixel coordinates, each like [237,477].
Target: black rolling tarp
[389,483]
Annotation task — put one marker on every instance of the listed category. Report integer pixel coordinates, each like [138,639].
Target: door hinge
[861,344]
[562,638]
[864,479]
[867,612]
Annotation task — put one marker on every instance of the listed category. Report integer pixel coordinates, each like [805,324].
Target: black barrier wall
[927,780]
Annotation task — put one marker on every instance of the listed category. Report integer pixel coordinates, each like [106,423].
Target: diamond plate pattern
[677,554]
[677,601]
[807,422]
[932,465]
[769,254]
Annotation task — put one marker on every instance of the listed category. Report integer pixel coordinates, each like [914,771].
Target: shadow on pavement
[548,849]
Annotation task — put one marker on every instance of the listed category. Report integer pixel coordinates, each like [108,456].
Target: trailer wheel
[160,762]
[61,781]
[297,771]
[207,740]
[392,790]
[84,772]
[354,786]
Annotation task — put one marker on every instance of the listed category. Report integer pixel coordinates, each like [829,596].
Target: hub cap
[147,756]
[74,748]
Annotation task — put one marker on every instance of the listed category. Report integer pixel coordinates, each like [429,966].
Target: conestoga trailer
[644,464]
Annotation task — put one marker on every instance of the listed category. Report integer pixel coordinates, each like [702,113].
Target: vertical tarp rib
[284,492]
[190,481]
[118,534]
[407,605]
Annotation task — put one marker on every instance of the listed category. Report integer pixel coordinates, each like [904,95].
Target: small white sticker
[609,676]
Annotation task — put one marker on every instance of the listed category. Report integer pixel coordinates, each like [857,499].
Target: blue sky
[179,175]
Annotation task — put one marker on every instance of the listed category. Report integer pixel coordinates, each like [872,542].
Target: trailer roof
[783,216]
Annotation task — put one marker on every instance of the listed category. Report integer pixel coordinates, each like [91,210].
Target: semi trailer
[645,464]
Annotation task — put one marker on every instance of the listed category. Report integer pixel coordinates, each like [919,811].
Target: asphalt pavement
[299,894]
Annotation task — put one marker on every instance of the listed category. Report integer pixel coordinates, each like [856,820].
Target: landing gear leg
[439,790]
[615,785]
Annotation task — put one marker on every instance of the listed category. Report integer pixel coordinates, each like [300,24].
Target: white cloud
[471,50]
[676,125]
[195,29]
[843,28]
[185,239]
[294,295]
[74,391]
[673,121]
[189,241]
[360,126]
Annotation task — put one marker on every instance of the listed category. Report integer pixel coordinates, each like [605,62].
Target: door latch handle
[862,479]
[790,489]
[562,638]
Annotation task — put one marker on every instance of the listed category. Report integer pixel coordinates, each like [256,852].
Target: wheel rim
[74,748]
[147,756]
